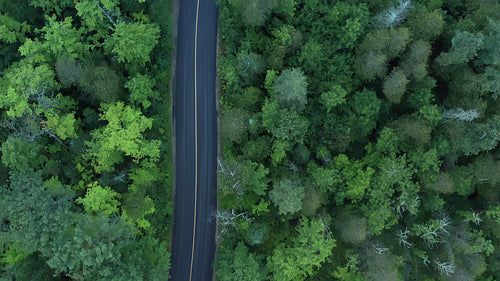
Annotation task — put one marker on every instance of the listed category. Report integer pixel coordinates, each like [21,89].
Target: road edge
[217,110]
[173,62]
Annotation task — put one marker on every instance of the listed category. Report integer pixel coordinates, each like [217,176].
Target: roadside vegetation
[360,140]
[85,178]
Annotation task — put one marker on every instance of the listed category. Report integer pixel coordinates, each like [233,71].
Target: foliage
[61,61]
[291,89]
[122,134]
[100,201]
[133,42]
[239,264]
[312,246]
[141,90]
[288,194]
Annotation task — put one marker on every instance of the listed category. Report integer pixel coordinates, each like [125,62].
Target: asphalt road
[195,142]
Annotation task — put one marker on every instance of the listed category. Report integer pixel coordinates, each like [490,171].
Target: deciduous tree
[239,264]
[394,86]
[291,88]
[288,194]
[310,249]
[122,135]
[141,90]
[133,42]
[100,200]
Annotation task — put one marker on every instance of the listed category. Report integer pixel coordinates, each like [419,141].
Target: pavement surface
[193,244]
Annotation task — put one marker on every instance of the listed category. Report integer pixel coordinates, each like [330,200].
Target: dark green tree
[37,217]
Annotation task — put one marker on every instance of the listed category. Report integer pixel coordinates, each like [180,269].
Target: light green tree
[136,206]
[122,135]
[334,97]
[64,126]
[311,247]
[133,42]
[23,83]
[62,39]
[100,200]
[12,31]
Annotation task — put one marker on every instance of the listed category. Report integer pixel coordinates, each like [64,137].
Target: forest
[359,140]
[86,152]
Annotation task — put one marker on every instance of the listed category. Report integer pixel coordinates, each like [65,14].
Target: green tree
[12,31]
[94,13]
[98,16]
[464,47]
[136,206]
[414,62]
[62,39]
[285,39]
[351,179]
[234,125]
[122,135]
[288,194]
[394,86]
[254,12]
[250,67]
[93,251]
[291,88]
[141,90]
[425,25]
[239,264]
[24,82]
[365,110]
[311,247]
[334,97]
[285,124]
[311,56]
[51,5]
[133,42]
[100,201]
[69,72]
[35,216]
[481,136]
[20,154]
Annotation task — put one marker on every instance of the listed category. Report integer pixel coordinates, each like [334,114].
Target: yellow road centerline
[195,138]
